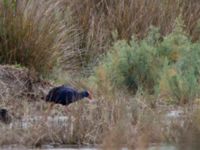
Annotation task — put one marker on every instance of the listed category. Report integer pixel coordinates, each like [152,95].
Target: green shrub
[169,65]
[134,64]
[175,45]
[184,85]
[183,57]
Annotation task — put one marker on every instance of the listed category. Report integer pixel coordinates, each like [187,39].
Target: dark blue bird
[5,116]
[65,95]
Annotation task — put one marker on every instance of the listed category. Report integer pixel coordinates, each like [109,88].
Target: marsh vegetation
[139,58]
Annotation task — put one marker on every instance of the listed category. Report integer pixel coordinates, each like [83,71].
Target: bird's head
[87,94]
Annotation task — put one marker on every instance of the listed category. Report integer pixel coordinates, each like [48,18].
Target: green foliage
[176,44]
[183,56]
[185,84]
[170,66]
[134,64]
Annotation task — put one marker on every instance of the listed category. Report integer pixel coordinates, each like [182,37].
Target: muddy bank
[19,82]
[19,89]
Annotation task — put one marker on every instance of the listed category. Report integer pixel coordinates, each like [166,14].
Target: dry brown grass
[117,119]
[103,21]
[82,30]
[87,124]
[39,35]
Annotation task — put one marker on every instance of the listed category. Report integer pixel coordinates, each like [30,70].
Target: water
[70,149]
[163,147]
[64,147]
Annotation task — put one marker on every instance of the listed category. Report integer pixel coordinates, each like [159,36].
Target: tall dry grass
[103,21]
[79,31]
[39,35]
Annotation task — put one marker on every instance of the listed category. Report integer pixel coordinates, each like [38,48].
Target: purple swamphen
[65,95]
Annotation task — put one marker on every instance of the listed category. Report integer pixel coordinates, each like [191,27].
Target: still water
[49,147]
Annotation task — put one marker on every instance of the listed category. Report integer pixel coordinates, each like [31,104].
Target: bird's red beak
[90,95]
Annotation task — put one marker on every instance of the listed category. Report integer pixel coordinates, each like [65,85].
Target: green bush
[134,64]
[169,65]
[184,86]
[183,56]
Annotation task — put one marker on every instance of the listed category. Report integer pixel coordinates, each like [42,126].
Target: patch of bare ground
[20,82]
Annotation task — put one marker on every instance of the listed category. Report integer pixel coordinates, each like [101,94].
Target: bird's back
[62,94]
